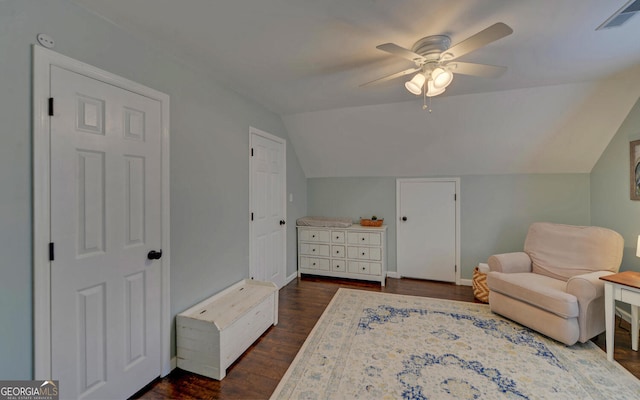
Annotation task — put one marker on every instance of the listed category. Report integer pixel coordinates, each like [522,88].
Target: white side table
[624,287]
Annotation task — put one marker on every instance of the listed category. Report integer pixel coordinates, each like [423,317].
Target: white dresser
[357,252]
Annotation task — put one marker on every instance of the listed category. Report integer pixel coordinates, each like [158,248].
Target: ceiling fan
[435,61]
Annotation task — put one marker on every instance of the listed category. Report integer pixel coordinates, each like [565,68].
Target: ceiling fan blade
[487,71]
[392,76]
[401,52]
[480,39]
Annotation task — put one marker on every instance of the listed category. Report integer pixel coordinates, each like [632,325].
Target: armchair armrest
[510,262]
[587,287]
[589,290]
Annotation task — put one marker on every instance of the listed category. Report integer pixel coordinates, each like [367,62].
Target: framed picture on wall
[634,173]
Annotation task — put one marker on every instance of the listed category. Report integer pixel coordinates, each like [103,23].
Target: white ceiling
[305,60]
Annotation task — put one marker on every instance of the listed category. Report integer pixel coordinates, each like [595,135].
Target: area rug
[372,345]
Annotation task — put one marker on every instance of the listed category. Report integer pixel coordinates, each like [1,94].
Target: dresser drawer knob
[363,253]
[362,238]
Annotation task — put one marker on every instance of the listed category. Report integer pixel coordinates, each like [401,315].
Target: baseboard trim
[291,278]
[462,282]
[174,365]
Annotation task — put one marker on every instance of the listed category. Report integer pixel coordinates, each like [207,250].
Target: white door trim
[457,206]
[255,131]
[42,61]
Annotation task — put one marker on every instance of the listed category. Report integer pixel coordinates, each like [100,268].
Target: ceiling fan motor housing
[431,47]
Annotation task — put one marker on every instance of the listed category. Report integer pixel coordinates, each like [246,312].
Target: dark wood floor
[257,373]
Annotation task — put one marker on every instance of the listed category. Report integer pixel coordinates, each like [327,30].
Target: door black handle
[404,218]
[282,222]
[154,255]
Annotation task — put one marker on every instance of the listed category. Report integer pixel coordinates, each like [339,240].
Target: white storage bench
[212,334]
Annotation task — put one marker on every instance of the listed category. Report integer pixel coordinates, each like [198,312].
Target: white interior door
[268,208]
[105,218]
[426,233]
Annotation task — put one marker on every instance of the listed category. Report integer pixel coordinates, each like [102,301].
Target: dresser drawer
[312,249]
[364,238]
[337,236]
[314,263]
[375,268]
[364,253]
[630,297]
[356,267]
[314,235]
[352,252]
[375,254]
[359,267]
[338,265]
[337,251]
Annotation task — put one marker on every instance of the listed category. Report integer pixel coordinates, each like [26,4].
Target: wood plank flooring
[257,373]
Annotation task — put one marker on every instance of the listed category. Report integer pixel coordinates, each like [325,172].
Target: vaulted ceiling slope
[566,91]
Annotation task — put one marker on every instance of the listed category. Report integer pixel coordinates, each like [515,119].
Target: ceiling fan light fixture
[432,90]
[441,78]
[432,56]
[415,84]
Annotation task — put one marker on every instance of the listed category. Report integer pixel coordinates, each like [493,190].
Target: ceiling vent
[621,16]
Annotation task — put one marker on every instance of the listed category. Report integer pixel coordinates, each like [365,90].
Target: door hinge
[455,268]
[252,216]
[455,197]
[51,106]
[252,152]
[51,251]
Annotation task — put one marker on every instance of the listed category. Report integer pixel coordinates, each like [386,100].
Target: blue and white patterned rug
[373,345]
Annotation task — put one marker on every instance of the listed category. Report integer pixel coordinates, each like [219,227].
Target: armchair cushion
[562,251]
[539,290]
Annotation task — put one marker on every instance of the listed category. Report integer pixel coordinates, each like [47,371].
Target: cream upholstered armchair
[553,287]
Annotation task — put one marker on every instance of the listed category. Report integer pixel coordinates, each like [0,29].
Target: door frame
[253,132]
[43,59]
[457,211]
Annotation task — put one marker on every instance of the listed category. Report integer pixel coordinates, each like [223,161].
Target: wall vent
[621,16]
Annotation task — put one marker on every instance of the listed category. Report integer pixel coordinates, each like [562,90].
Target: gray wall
[355,198]
[496,210]
[209,162]
[611,206]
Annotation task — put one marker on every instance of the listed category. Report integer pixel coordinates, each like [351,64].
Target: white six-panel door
[105,218]
[427,229]
[268,208]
